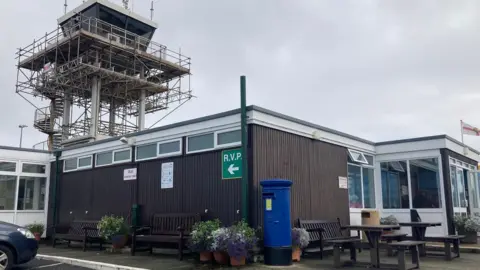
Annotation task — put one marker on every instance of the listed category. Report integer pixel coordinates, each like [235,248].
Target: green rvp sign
[232,164]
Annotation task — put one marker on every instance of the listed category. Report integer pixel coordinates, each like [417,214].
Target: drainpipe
[57,154]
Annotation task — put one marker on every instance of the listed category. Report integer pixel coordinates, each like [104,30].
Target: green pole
[243,115]
[54,188]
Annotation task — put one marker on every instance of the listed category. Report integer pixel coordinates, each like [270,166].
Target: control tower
[100,73]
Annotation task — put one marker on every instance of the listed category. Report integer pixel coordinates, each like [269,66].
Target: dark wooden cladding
[312,165]
[447,182]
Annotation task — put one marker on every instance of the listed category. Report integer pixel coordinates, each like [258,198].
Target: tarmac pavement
[46,265]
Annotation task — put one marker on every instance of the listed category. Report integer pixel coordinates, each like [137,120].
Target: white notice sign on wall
[342,182]
[167,175]
[130,174]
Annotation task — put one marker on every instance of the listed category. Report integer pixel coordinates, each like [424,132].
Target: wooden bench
[172,228]
[401,247]
[320,232]
[339,245]
[448,241]
[389,238]
[84,231]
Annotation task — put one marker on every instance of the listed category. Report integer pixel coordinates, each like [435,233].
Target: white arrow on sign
[232,169]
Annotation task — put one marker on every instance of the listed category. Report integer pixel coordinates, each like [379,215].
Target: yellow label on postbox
[268,204]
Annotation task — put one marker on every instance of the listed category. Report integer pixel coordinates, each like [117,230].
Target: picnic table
[373,234]
[419,230]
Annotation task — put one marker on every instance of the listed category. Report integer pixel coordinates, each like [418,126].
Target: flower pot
[296,253]
[470,237]
[237,261]
[119,241]
[205,256]
[38,236]
[221,257]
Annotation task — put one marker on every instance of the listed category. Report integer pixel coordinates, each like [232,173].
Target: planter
[38,236]
[221,257]
[296,253]
[237,261]
[119,241]
[205,256]
[470,237]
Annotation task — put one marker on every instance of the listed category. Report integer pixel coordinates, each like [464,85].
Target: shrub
[201,236]
[36,228]
[242,240]
[110,226]
[390,220]
[300,238]
[467,224]
[220,237]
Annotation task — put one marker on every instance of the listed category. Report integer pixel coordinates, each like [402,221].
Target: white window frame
[85,167]
[171,154]
[64,167]
[202,150]
[151,143]
[350,153]
[103,165]
[21,173]
[122,161]
[226,145]
[7,172]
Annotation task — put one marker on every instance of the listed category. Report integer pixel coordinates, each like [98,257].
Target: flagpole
[461,129]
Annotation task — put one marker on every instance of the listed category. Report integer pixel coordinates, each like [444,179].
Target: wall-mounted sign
[167,175]
[342,182]
[130,174]
[268,204]
[232,164]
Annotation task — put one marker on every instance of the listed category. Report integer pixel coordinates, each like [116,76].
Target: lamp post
[21,133]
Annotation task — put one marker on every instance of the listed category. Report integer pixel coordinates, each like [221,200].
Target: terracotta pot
[221,257]
[296,253]
[237,261]
[38,236]
[205,256]
[119,241]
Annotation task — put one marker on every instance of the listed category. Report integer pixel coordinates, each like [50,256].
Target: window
[8,166]
[361,185]
[425,181]
[33,168]
[357,156]
[355,186]
[8,187]
[104,158]
[85,162]
[70,164]
[169,148]
[122,155]
[31,193]
[146,151]
[395,190]
[229,137]
[200,142]
[368,187]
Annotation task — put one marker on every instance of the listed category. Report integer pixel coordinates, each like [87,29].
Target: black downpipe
[58,154]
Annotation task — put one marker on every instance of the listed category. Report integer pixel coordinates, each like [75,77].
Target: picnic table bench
[321,232]
[401,247]
[171,228]
[84,231]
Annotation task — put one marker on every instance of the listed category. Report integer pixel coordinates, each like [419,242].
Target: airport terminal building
[192,167]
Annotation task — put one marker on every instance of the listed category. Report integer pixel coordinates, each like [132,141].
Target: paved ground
[47,265]
[157,261]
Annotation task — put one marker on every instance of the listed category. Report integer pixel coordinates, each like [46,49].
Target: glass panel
[200,142]
[170,147]
[104,158]
[395,185]
[8,166]
[453,179]
[31,193]
[461,188]
[121,155]
[472,183]
[425,181]
[33,168]
[355,186]
[7,192]
[85,162]
[357,156]
[147,151]
[70,164]
[369,159]
[229,137]
[368,188]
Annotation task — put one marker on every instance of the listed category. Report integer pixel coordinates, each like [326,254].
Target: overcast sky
[380,70]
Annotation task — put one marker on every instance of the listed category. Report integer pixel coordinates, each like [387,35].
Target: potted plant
[201,240]
[241,241]
[300,240]
[389,220]
[113,229]
[468,226]
[220,245]
[37,229]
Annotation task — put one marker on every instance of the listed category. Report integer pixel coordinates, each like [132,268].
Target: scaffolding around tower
[99,77]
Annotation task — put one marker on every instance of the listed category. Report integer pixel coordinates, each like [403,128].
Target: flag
[470,130]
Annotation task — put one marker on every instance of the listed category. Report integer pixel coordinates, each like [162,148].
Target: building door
[474,196]
[459,190]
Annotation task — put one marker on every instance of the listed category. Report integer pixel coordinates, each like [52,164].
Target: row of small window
[196,143]
[8,166]
[31,192]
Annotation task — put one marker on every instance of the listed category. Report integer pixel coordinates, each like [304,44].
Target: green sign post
[232,164]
